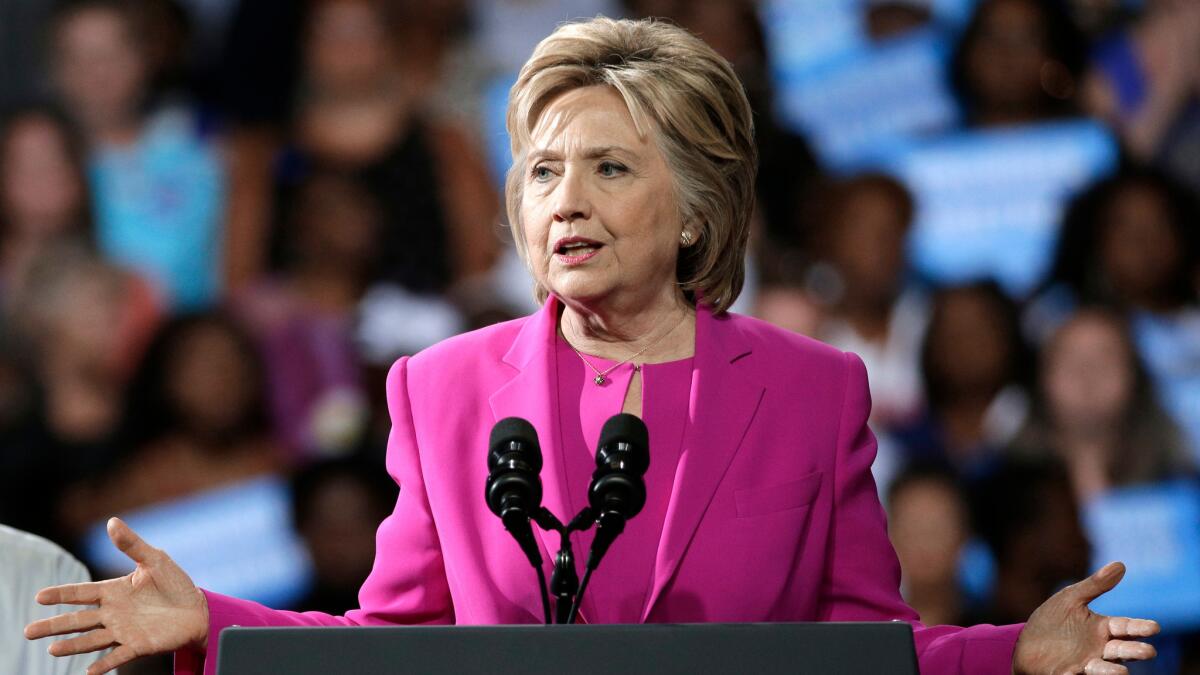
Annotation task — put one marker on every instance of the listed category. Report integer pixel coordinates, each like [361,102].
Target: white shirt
[28,564]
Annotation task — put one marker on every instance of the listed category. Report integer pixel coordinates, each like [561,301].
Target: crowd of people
[222,221]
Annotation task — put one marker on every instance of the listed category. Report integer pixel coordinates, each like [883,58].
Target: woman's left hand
[1065,637]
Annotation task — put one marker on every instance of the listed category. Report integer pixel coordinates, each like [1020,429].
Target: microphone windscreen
[631,430]
[512,429]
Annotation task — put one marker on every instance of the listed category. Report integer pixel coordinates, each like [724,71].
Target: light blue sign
[236,540]
[872,102]
[1155,531]
[989,202]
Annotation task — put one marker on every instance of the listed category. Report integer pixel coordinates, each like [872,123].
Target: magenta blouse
[623,577]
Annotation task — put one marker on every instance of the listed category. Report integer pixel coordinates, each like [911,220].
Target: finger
[90,641]
[1101,582]
[1128,650]
[1123,626]
[87,593]
[1093,667]
[114,659]
[73,622]
[129,542]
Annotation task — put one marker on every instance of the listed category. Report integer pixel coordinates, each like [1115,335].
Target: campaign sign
[1170,347]
[236,540]
[1155,531]
[870,103]
[989,201]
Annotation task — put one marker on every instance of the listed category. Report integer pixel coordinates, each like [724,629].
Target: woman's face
[210,380]
[972,353]
[1139,250]
[1088,374]
[598,205]
[99,70]
[347,45]
[928,527]
[1004,65]
[40,190]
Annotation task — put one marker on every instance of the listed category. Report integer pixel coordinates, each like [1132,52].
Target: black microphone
[514,488]
[618,491]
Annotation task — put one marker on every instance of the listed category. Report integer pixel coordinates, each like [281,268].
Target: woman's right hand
[152,610]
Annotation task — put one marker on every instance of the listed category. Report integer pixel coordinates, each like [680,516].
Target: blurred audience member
[1025,514]
[337,508]
[357,114]
[83,323]
[1145,82]
[195,418]
[158,183]
[1018,62]
[930,523]
[1096,410]
[974,367]
[859,244]
[43,190]
[304,317]
[1132,241]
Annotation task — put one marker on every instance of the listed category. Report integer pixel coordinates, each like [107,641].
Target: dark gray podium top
[651,649]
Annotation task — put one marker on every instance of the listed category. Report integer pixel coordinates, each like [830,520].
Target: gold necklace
[602,375]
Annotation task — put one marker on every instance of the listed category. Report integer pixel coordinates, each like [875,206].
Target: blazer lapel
[724,399]
[532,394]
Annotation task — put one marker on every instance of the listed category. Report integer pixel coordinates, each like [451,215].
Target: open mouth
[577,247]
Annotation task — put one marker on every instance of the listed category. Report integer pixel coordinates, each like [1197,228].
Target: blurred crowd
[222,220]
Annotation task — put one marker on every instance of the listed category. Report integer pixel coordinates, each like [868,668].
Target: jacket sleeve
[862,573]
[407,584]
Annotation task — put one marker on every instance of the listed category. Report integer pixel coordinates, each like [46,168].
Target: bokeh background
[222,220]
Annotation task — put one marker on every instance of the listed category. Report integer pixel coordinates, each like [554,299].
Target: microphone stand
[564,581]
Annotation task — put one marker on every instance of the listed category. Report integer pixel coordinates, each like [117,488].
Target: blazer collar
[724,398]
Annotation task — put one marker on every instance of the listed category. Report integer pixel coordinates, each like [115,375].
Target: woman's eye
[609,169]
[541,173]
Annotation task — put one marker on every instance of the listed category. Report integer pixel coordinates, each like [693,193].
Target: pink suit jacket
[773,515]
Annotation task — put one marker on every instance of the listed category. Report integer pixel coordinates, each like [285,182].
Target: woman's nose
[571,200]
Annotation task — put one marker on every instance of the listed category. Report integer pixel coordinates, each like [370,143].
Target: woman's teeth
[577,249]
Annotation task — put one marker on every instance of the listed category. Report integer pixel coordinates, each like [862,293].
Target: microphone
[618,491]
[514,488]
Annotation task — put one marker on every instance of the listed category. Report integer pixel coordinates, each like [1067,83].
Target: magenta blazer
[774,514]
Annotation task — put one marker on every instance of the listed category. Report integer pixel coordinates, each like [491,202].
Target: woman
[630,198]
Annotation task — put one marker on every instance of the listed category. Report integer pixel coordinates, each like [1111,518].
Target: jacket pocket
[760,501]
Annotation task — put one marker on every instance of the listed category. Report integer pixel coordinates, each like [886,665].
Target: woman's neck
[665,329]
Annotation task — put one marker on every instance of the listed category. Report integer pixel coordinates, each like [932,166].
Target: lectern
[651,649]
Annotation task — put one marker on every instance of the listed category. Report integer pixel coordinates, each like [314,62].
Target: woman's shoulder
[470,353]
[773,341]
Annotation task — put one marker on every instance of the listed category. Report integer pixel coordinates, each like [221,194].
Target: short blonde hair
[676,85]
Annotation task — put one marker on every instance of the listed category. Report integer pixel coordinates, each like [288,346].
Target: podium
[649,649]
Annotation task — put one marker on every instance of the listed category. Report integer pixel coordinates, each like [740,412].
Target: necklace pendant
[600,380]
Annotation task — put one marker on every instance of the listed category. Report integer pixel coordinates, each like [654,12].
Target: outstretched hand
[152,610]
[1065,637]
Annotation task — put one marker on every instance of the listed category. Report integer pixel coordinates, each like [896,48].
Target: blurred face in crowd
[349,45]
[211,380]
[99,69]
[1004,64]
[971,352]
[867,243]
[41,193]
[340,531]
[337,224]
[600,218]
[1139,250]
[928,528]
[1088,375]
